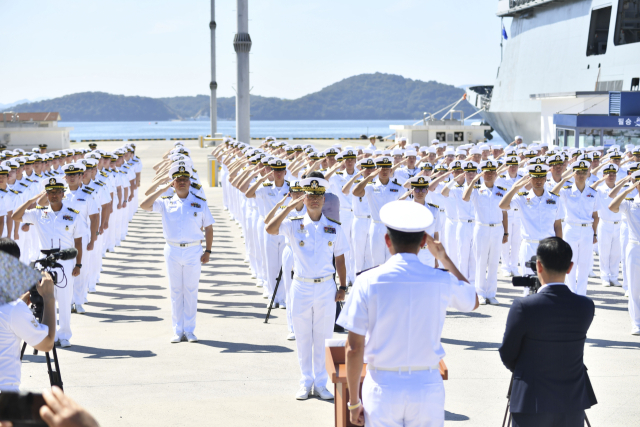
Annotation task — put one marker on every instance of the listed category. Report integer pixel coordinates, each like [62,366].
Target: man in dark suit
[543,346]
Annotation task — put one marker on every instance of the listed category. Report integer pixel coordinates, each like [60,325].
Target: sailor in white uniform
[316,242]
[609,234]
[395,315]
[184,216]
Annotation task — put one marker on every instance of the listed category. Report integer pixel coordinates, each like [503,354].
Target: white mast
[242,46]
[213,85]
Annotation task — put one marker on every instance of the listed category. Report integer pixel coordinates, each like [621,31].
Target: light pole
[242,46]
[213,85]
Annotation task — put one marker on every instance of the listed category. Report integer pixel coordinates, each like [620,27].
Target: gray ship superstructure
[559,48]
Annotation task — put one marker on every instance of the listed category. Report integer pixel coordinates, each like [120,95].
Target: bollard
[213,171]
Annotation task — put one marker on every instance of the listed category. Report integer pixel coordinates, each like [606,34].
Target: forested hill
[362,97]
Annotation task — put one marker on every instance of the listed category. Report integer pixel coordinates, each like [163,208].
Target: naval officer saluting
[184,216]
[315,240]
[394,315]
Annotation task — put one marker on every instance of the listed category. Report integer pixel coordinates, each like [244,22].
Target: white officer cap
[35,149]
[11,164]
[449,152]
[384,162]
[314,185]
[403,139]
[73,168]
[496,147]
[475,150]
[377,152]
[89,163]
[460,152]
[488,165]
[4,170]
[420,181]
[372,136]
[278,164]
[510,152]
[180,170]
[484,147]
[538,170]
[580,165]
[360,147]
[409,153]
[512,161]
[348,154]
[425,149]
[176,143]
[435,141]
[636,150]
[368,151]
[386,152]
[415,145]
[610,168]
[470,166]
[628,147]
[518,137]
[55,183]
[406,216]
[635,176]
[395,152]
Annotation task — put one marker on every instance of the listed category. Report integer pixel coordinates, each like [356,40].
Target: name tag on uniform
[393,190]
[330,230]
[81,200]
[590,195]
[270,194]
[376,190]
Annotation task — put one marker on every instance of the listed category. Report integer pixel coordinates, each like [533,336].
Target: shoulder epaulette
[370,183]
[15,192]
[296,217]
[477,186]
[459,185]
[100,184]
[74,211]
[196,186]
[395,181]
[502,188]
[89,188]
[503,176]
[555,194]
[523,193]
[3,190]
[39,176]
[193,178]
[339,173]
[433,206]
[194,170]
[40,207]
[629,198]
[86,191]
[198,197]
[333,220]
[267,184]
[23,184]
[29,180]
[566,186]
[103,173]
[166,197]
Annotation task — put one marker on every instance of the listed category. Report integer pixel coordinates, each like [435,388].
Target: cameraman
[543,346]
[17,324]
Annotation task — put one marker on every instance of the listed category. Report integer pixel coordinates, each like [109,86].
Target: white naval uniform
[537,217]
[487,235]
[609,242]
[268,194]
[511,250]
[631,208]
[461,234]
[182,221]
[578,232]
[379,195]
[424,255]
[400,308]
[337,181]
[59,230]
[624,236]
[360,232]
[287,269]
[314,244]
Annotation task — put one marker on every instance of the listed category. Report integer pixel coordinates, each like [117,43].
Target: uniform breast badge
[66,228]
[330,230]
[301,242]
[330,243]
[67,217]
[195,205]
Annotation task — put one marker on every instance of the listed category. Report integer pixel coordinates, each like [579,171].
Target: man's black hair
[555,254]
[9,246]
[315,174]
[404,241]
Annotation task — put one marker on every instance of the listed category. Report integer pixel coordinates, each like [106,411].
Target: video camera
[48,264]
[528,280]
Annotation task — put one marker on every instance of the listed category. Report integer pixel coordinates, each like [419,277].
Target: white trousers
[403,399]
[346,219]
[510,252]
[449,240]
[488,242]
[609,248]
[96,263]
[63,299]
[378,247]
[274,246]
[314,315]
[261,262]
[624,242]
[287,268]
[183,269]
[581,241]
[633,273]
[250,239]
[361,250]
[81,283]
[528,249]
[465,250]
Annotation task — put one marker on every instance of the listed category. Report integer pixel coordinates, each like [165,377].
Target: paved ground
[242,372]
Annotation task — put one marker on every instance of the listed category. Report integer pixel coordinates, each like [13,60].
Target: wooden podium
[335,361]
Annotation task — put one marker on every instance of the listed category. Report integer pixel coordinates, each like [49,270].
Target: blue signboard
[596,121]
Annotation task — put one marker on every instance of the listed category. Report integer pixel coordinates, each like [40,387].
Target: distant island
[362,97]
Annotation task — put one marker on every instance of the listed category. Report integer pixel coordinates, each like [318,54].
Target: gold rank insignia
[330,243]
[301,242]
[67,228]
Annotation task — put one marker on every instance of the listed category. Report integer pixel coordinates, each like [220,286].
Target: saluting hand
[436,248]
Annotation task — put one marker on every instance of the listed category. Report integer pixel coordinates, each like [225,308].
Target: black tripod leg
[275,291]
[586,420]
[54,374]
[24,347]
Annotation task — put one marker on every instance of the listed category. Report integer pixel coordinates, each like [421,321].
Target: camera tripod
[507,421]
[55,377]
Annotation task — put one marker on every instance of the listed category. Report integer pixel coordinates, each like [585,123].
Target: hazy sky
[161,48]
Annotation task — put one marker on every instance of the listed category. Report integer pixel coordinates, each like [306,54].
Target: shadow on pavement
[232,347]
[237,314]
[129,296]
[623,345]
[451,416]
[116,318]
[472,345]
[105,353]
[123,307]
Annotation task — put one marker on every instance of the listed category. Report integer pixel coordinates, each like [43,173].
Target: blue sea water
[259,129]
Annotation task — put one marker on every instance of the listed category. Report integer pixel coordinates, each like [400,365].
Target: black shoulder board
[288,183]
[74,211]
[395,181]
[433,206]
[459,185]
[339,173]
[555,194]
[523,193]
[192,177]
[194,170]
[196,186]
[89,188]
[566,186]
[476,186]
[3,190]
[15,192]
[629,198]
[167,197]
[198,197]
[86,191]
[333,220]
[502,188]
[369,183]
[23,184]
[40,207]
[267,184]
[503,176]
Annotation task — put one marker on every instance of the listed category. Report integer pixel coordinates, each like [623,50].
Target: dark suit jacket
[543,346]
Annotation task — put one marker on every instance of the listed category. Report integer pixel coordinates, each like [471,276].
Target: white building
[28,130]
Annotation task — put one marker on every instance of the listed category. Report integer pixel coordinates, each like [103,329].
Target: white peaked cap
[406,216]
